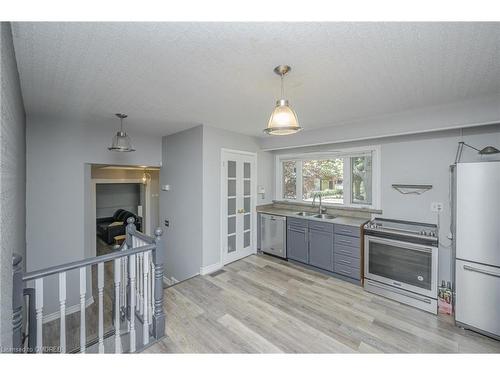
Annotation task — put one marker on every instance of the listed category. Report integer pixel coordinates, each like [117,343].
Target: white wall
[422,159]
[57,204]
[213,141]
[12,178]
[182,205]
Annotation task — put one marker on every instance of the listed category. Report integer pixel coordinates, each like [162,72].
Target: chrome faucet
[322,210]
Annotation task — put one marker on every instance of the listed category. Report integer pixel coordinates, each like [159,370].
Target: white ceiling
[172,76]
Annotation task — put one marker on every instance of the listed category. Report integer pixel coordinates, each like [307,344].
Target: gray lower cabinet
[321,249]
[297,243]
[331,247]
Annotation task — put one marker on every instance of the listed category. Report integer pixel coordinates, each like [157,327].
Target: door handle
[486,272]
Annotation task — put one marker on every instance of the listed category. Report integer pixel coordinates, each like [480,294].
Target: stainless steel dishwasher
[273,235]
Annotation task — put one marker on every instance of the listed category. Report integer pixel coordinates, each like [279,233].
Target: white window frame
[346,153]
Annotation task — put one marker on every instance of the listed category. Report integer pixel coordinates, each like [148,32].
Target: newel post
[158,260]
[17,301]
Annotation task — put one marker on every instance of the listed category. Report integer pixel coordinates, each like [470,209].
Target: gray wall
[214,140]
[470,113]
[58,176]
[12,178]
[182,205]
[111,197]
[421,159]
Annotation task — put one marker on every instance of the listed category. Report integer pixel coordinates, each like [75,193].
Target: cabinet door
[321,249]
[297,244]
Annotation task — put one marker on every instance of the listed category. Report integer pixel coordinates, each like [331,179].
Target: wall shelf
[411,188]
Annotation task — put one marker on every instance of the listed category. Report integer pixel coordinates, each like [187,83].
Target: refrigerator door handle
[486,272]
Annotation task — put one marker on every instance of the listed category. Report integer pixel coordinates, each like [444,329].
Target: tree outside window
[361,177]
[325,177]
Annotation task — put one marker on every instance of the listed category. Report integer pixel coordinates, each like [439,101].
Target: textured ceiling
[172,76]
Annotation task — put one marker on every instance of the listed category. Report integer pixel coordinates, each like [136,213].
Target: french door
[238,199]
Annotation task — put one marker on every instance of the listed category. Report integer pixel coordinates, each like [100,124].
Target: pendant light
[283,120]
[121,141]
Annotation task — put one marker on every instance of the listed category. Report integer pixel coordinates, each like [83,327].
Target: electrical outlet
[436,206]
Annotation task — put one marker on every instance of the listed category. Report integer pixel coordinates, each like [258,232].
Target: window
[289,180]
[343,177]
[325,176]
[361,180]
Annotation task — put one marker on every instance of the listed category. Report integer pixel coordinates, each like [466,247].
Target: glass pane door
[231,206]
[238,219]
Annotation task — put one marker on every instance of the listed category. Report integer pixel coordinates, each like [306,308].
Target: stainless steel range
[401,261]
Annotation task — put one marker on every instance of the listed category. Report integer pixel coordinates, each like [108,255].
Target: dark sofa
[107,231]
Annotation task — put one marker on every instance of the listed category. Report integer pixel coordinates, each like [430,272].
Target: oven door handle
[400,244]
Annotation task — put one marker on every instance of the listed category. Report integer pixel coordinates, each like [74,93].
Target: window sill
[332,206]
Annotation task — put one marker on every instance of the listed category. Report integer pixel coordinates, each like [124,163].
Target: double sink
[317,216]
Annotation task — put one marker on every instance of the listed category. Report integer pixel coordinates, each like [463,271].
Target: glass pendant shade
[283,120]
[121,141]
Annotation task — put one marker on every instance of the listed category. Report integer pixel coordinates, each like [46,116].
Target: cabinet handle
[486,272]
[347,242]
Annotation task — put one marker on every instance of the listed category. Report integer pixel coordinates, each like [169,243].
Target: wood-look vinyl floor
[262,304]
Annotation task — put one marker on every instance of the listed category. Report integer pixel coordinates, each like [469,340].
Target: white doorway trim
[93,216]
[223,204]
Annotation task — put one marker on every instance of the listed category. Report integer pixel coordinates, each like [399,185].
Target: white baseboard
[170,281]
[205,270]
[69,310]
[167,281]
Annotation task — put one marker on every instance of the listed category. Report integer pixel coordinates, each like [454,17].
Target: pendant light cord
[282,87]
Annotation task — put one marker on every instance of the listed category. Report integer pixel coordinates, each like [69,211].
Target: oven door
[404,265]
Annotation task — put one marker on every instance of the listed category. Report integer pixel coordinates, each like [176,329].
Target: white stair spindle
[145,316]
[62,309]
[39,314]
[100,288]
[117,274]
[152,287]
[83,291]
[132,269]
[141,283]
[138,275]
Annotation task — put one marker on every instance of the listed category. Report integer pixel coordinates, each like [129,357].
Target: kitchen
[356,244]
[345,203]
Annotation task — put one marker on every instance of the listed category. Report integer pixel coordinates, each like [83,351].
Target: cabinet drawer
[340,239]
[297,222]
[347,230]
[318,225]
[353,252]
[352,272]
[344,260]
[295,228]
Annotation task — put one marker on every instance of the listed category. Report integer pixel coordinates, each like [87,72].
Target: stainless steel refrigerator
[476,246]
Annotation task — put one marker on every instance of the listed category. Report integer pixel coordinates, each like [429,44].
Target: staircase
[137,299]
